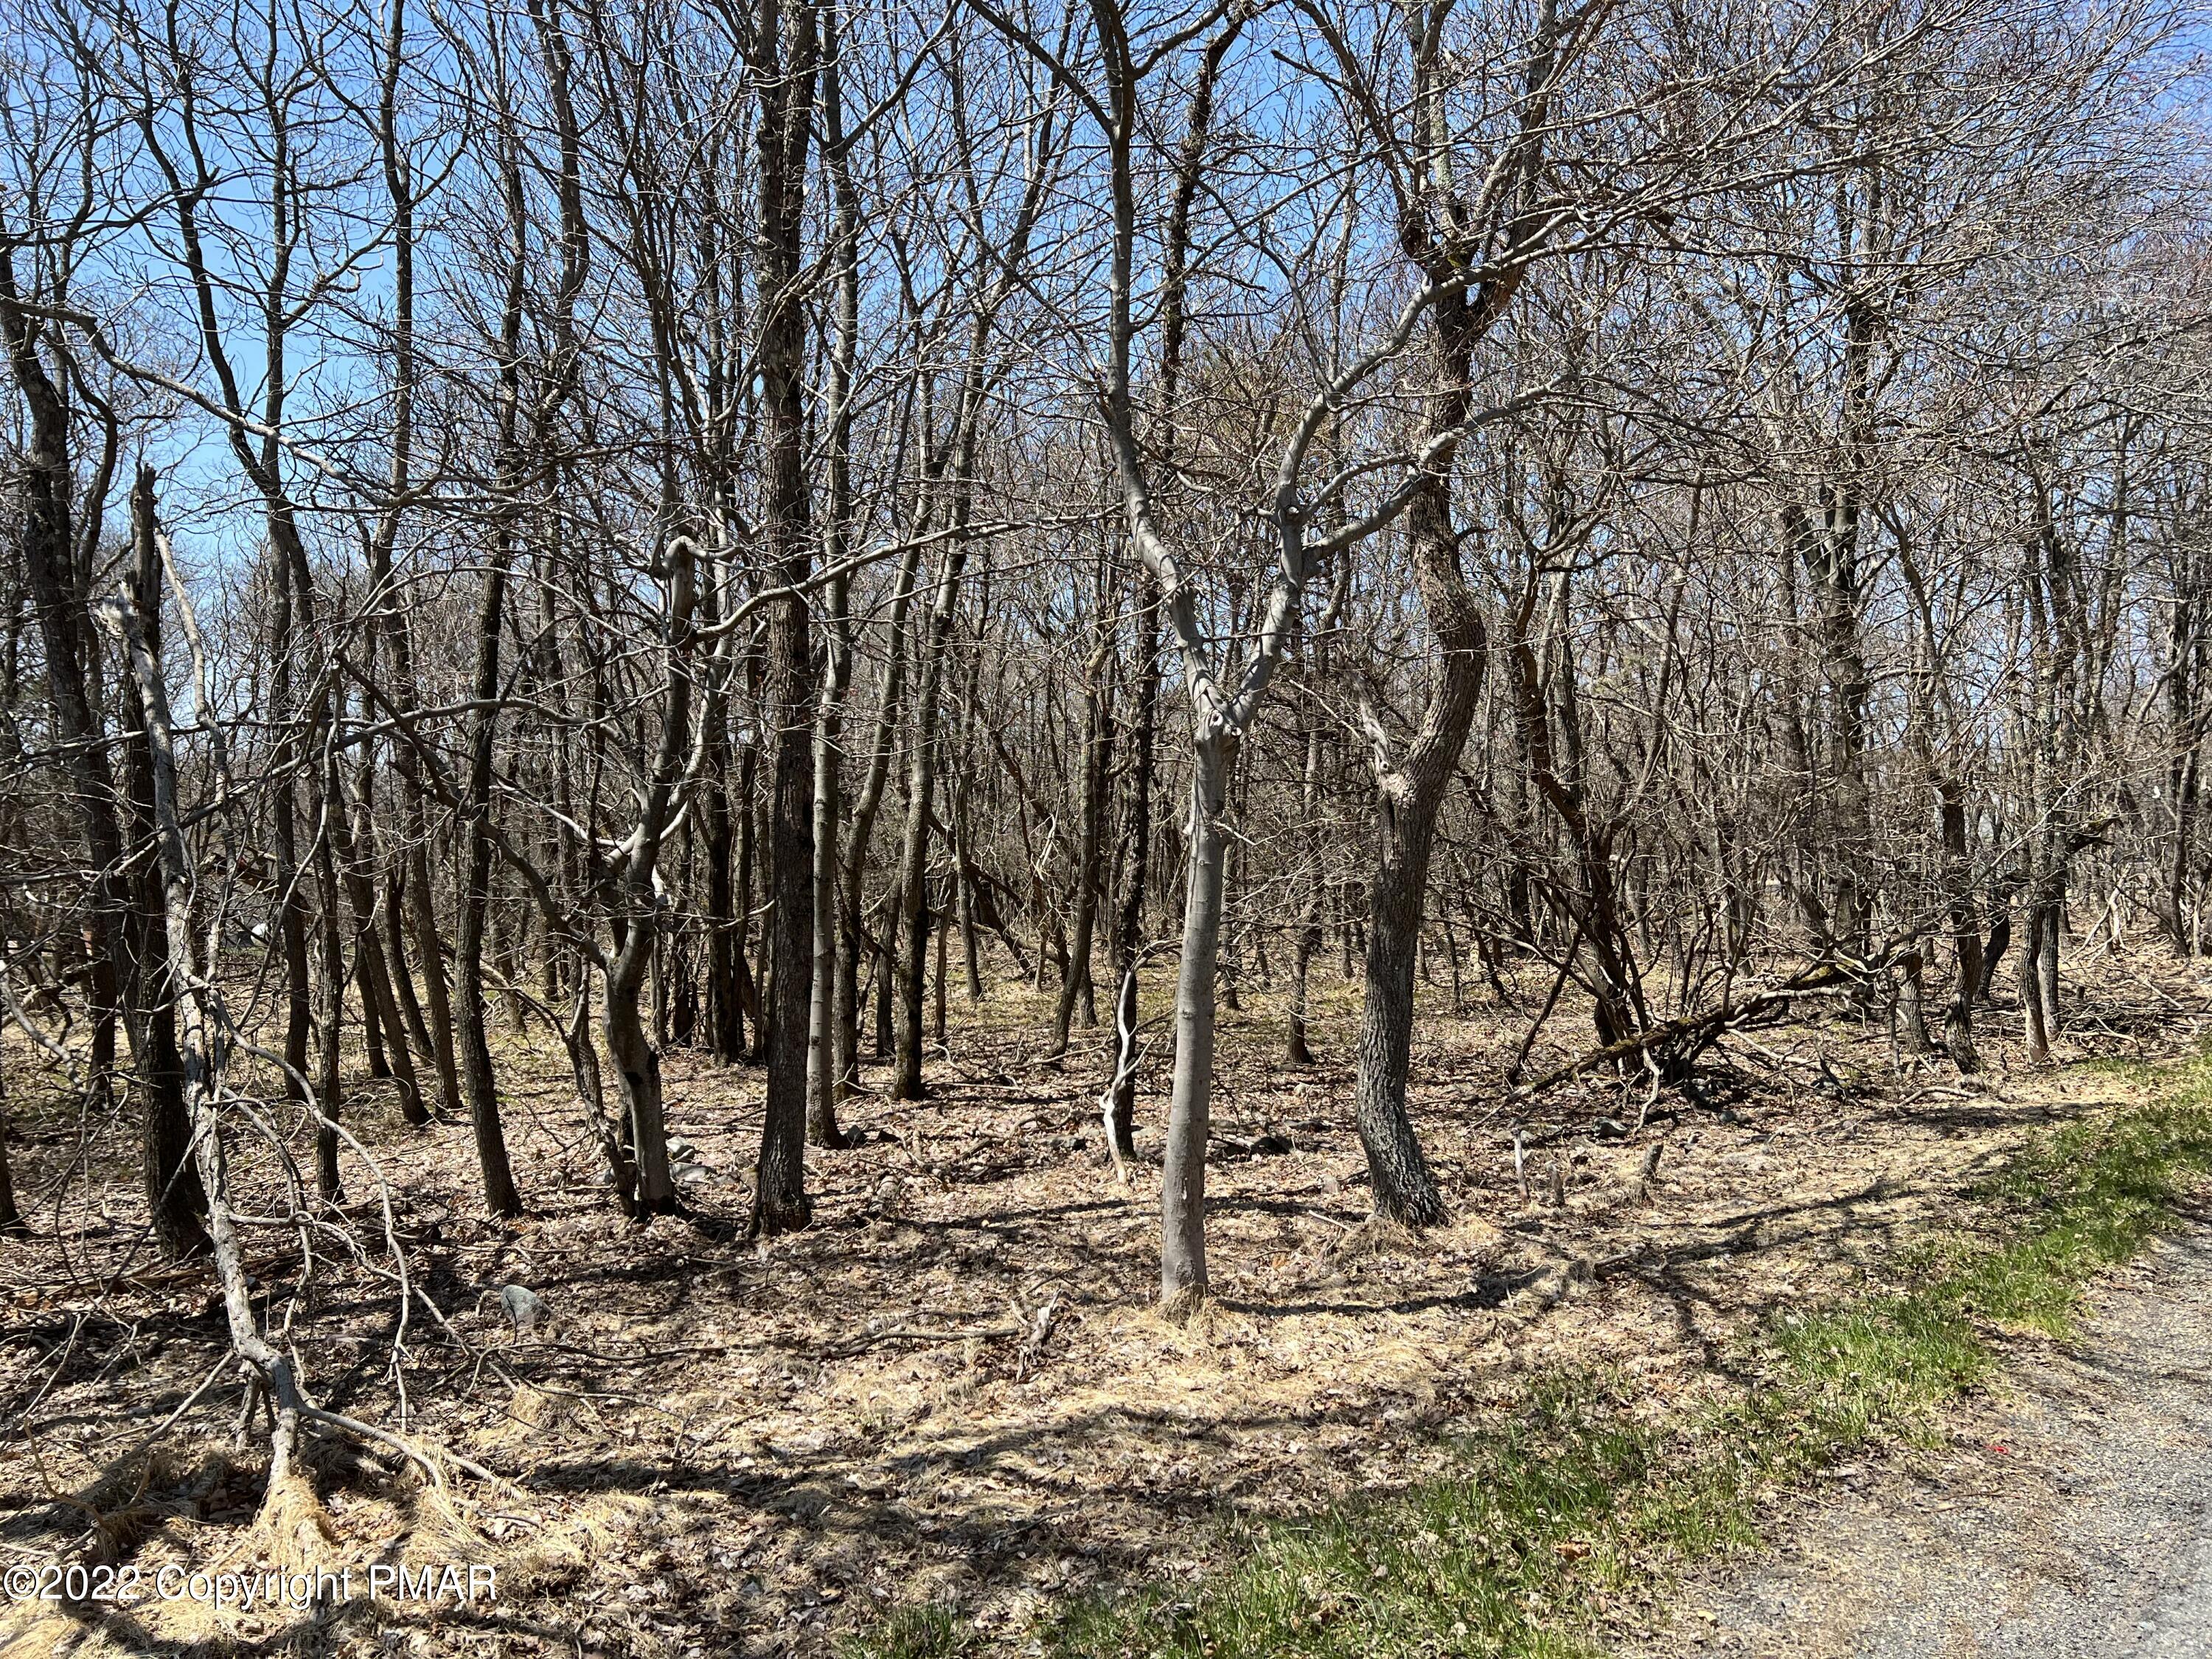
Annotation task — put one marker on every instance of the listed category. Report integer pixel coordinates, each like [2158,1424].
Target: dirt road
[2069,1517]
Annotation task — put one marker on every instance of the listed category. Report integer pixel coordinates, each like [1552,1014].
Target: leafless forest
[618,611]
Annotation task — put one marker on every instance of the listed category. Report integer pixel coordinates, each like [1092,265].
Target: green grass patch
[1587,1494]
[912,1633]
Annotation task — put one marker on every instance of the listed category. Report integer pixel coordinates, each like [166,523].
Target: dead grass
[733,1450]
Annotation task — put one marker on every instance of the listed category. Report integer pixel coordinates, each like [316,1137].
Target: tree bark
[379,999]
[825,1076]
[852,856]
[1182,1192]
[1306,939]
[1410,792]
[785,63]
[1097,756]
[501,1198]
[49,574]
[1134,865]
[910,951]
[173,1197]
[202,1059]
[1912,1039]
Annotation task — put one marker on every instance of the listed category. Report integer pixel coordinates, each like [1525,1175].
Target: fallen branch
[1681,1041]
[919,1334]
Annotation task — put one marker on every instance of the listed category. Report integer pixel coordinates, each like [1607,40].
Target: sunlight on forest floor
[720,1449]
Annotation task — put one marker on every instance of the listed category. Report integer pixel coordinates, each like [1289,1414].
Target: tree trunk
[409,899]
[429,945]
[2046,962]
[1966,930]
[1993,953]
[937,998]
[780,1201]
[644,1129]
[173,1198]
[725,1016]
[202,1065]
[49,574]
[971,958]
[784,66]
[1404,1189]
[1098,733]
[1306,941]
[330,1017]
[501,1198]
[1912,1039]
[886,1037]
[1182,1192]
[822,1128]
[1409,795]
[1136,850]
[910,936]
[825,1075]
[853,854]
[290,877]
[2031,992]
[12,1224]
[415,1029]
[746,1005]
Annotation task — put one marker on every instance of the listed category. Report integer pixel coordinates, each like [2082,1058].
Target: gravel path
[2070,1518]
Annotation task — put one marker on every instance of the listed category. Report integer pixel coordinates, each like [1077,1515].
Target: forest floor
[952,1393]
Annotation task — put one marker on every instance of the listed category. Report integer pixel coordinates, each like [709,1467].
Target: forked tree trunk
[629,1046]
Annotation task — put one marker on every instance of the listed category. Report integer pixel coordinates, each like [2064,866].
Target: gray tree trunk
[1182,1191]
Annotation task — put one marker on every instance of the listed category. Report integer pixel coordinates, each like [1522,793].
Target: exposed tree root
[293,1531]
